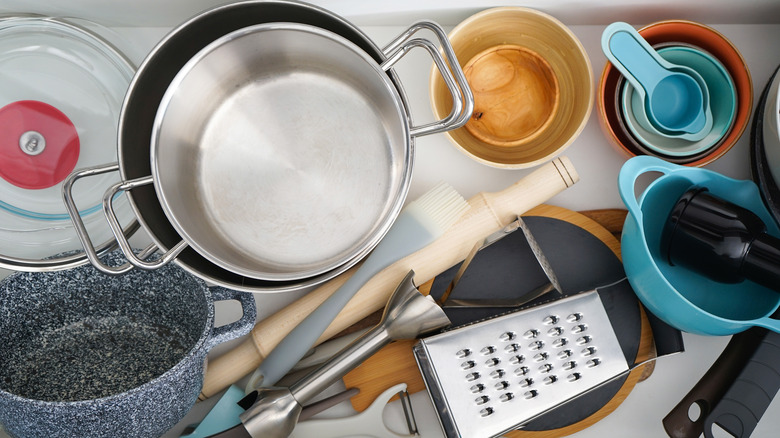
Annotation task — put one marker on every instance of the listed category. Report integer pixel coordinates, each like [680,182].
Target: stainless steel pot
[136,172]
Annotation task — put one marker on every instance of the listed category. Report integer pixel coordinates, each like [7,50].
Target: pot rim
[197,349]
[392,202]
[215,273]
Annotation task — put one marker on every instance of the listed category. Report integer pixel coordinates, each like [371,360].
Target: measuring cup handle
[632,170]
[462,98]
[237,328]
[135,260]
[632,56]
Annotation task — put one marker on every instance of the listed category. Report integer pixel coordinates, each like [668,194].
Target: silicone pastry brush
[419,224]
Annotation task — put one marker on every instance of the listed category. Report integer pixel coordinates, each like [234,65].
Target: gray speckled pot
[89,355]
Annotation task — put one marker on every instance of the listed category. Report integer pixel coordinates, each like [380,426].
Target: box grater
[493,376]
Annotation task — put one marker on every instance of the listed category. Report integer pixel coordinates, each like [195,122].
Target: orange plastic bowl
[691,33]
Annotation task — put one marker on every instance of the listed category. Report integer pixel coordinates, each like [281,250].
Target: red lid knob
[39,145]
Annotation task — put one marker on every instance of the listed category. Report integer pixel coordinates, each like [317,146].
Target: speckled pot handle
[235,329]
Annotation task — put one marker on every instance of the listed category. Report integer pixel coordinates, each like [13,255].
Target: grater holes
[541,357]
[574,317]
[502,385]
[584,340]
[525,383]
[486,412]
[589,351]
[472,376]
[569,365]
[574,377]
[560,342]
[579,328]
[593,362]
[464,353]
[477,388]
[549,380]
[555,331]
[493,361]
[550,320]
[505,397]
[536,345]
[546,368]
[488,350]
[531,394]
[482,399]
[522,371]
[512,348]
[531,334]
[564,354]
[517,359]
[497,374]
[507,336]
[468,364]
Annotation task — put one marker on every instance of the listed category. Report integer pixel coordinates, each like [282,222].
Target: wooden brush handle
[488,213]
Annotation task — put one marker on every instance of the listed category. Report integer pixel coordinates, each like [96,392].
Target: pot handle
[237,328]
[116,228]
[632,170]
[462,98]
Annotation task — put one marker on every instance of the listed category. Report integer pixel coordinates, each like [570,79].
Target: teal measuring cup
[676,97]
[682,298]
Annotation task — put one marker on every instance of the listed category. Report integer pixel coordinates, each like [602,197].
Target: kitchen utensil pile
[269,146]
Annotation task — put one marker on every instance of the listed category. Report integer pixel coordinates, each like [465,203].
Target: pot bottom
[92,358]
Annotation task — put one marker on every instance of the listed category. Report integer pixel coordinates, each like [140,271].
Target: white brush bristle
[439,208]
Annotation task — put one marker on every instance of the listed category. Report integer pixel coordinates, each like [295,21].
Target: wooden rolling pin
[488,213]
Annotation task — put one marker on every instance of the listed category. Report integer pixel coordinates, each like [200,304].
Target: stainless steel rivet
[32,143]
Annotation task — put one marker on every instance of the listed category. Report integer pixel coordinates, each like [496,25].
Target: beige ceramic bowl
[532,83]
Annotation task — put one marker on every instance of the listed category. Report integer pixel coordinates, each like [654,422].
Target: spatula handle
[488,213]
[745,402]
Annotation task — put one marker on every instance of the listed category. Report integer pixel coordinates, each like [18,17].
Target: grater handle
[745,402]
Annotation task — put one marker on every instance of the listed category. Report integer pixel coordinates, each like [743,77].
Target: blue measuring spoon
[676,97]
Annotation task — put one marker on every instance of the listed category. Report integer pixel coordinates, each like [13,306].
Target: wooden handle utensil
[488,212]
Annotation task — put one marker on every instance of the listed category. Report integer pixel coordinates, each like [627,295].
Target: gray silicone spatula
[676,97]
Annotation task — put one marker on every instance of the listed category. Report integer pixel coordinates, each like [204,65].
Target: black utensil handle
[745,402]
[712,386]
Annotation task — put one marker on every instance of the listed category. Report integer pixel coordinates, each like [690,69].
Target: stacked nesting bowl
[730,90]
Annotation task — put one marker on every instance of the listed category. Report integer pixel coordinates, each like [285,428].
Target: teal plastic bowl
[723,103]
[682,298]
